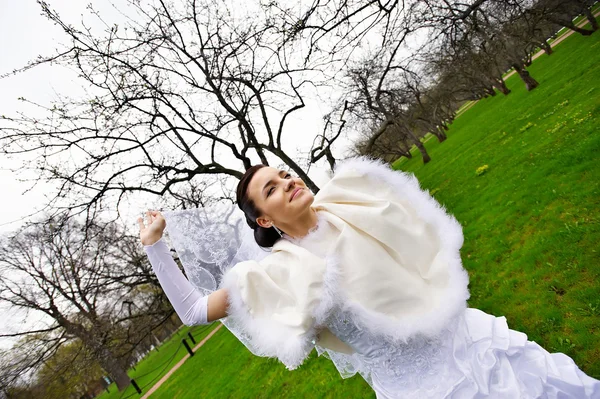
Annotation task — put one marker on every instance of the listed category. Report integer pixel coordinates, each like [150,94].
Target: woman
[369,271]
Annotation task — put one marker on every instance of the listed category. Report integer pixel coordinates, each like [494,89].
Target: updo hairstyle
[265,237]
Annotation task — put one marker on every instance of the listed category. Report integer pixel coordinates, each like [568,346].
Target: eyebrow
[271,180]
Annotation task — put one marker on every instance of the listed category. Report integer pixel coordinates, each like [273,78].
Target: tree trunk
[109,364]
[530,83]
[590,17]
[490,91]
[439,133]
[571,25]
[501,85]
[92,340]
[378,134]
[405,148]
[422,150]
[419,144]
[544,45]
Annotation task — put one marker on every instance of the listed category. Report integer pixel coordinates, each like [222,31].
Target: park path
[179,364]
[569,32]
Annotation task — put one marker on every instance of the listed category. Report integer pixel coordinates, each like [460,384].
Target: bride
[368,271]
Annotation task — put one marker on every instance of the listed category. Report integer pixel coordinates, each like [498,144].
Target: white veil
[209,241]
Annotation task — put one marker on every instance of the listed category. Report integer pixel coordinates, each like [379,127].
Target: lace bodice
[419,365]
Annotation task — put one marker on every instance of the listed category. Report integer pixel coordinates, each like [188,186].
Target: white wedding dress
[377,286]
[476,356]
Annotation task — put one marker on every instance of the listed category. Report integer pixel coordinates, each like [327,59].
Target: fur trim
[332,274]
[453,301]
[330,296]
[271,339]
[268,338]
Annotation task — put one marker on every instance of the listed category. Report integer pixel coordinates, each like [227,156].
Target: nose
[289,184]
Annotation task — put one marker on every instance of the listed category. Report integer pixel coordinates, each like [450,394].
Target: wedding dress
[378,287]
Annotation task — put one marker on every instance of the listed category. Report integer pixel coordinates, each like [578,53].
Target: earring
[278,231]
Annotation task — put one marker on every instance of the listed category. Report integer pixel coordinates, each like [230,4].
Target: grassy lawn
[532,221]
[158,362]
[531,224]
[224,368]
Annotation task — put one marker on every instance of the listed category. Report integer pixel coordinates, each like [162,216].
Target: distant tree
[563,12]
[78,277]
[68,374]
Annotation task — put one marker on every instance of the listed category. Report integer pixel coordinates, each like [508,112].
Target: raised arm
[189,303]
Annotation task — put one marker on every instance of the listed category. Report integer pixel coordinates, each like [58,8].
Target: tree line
[397,99]
[100,300]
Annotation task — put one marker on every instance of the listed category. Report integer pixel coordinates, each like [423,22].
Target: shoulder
[365,176]
[372,169]
[284,255]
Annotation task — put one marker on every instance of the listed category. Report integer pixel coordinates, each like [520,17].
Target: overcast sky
[24,34]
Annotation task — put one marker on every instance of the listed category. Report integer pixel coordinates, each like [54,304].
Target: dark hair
[265,237]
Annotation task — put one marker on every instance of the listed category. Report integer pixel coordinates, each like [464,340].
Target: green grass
[532,220]
[224,368]
[158,362]
[531,224]
[558,34]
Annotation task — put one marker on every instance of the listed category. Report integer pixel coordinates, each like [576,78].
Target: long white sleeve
[189,303]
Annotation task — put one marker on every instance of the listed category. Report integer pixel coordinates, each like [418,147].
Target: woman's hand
[154,231]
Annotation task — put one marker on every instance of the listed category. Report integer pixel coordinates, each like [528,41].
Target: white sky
[25,34]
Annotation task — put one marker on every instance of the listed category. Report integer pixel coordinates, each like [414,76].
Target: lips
[294,193]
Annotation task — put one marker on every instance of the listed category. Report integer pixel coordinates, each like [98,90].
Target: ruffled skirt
[479,357]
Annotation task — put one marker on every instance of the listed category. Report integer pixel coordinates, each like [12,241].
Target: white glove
[188,302]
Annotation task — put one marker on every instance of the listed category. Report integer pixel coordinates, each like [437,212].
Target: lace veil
[209,241]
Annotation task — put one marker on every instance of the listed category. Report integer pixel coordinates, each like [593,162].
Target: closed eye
[287,176]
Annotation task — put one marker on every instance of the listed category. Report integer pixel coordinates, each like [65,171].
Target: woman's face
[281,197]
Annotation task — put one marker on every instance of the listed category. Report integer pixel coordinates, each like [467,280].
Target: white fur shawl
[394,262]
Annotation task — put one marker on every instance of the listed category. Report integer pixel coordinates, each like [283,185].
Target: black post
[184,342]
[191,337]
[136,386]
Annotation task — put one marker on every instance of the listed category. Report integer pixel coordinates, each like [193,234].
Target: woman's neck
[302,225]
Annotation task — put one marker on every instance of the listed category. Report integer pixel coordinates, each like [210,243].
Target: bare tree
[187,94]
[563,12]
[379,94]
[182,91]
[390,145]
